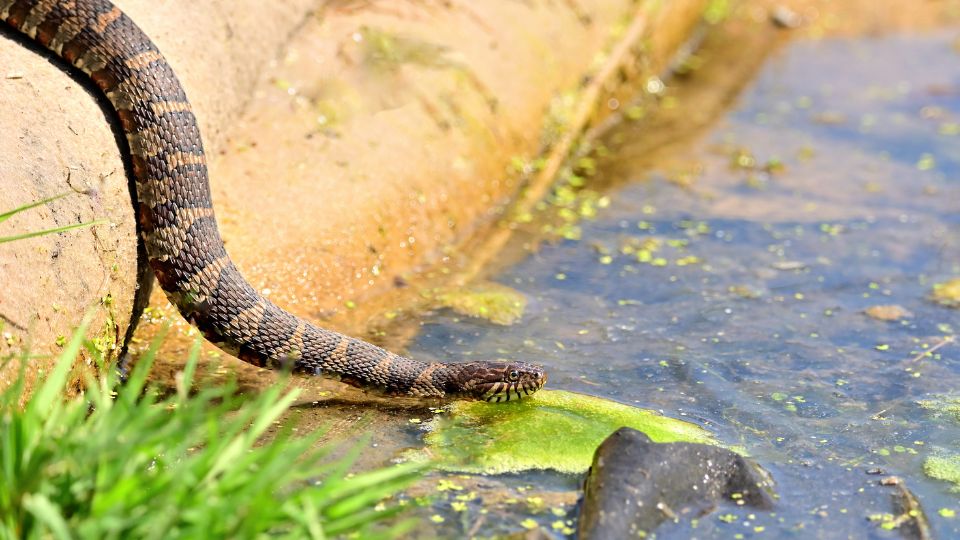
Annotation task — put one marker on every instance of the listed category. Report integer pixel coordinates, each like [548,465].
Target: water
[832,186]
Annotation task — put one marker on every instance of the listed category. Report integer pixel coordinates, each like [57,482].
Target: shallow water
[832,186]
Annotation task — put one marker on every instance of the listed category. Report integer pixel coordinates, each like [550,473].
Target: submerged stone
[888,313]
[636,484]
[552,429]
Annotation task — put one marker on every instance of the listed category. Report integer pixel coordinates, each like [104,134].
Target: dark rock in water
[635,484]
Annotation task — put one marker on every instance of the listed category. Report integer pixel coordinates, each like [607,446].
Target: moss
[496,303]
[944,467]
[552,430]
[717,11]
[388,51]
[943,405]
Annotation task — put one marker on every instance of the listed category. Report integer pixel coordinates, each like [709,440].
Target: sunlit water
[759,333]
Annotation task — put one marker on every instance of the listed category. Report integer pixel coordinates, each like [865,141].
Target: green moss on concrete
[552,430]
[491,301]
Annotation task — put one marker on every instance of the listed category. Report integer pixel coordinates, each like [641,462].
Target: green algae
[943,405]
[945,467]
[553,429]
[387,50]
[717,11]
[947,294]
[496,303]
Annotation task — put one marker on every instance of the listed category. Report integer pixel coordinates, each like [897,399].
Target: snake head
[496,381]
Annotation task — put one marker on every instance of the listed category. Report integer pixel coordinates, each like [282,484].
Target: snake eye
[513,375]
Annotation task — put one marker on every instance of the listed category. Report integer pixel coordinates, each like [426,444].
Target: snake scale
[177,225]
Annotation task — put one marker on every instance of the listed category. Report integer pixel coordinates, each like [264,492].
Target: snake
[178,229]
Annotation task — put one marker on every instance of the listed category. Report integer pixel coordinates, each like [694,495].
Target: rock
[635,484]
[889,313]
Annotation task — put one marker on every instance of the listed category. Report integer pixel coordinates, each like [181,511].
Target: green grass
[9,214]
[128,462]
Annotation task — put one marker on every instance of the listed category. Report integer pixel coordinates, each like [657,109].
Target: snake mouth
[506,391]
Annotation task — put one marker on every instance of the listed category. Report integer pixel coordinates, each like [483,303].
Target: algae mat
[552,430]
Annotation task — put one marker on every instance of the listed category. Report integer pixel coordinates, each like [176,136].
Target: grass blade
[367,489]
[9,214]
[48,514]
[24,236]
[185,381]
[180,464]
[245,440]
[52,389]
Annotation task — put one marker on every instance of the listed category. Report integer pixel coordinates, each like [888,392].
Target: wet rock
[636,484]
[888,313]
[784,17]
[789,266]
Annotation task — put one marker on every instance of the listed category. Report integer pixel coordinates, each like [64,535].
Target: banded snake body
[177,225]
